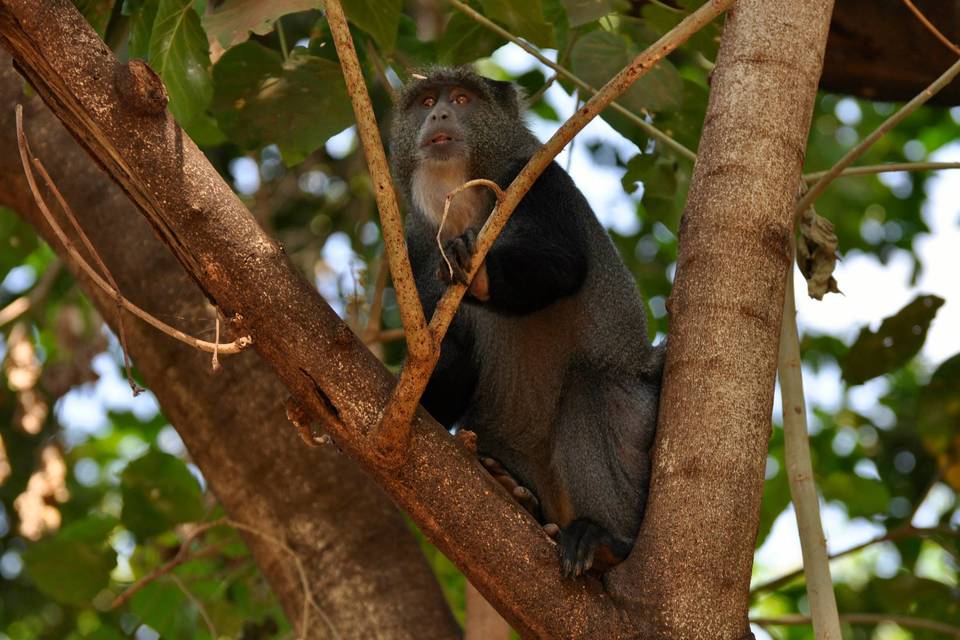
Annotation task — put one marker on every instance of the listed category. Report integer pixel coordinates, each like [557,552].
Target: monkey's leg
[601,456]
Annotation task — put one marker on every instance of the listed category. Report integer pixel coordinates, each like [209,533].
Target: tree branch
[931,28]
[885,168]
[419,345]
[850,157]
[642,124]
[867,619]
[823,604]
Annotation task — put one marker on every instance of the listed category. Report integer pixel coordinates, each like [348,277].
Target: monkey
[548,359]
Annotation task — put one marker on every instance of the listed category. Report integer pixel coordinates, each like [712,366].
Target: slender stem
[419,345]
[864,618]
[283,39]
[931,28]
[885,168]
[642,124]
[816,563]
[393,432]
[904,531]
[820,186]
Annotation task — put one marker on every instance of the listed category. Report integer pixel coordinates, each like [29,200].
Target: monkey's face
[441,113]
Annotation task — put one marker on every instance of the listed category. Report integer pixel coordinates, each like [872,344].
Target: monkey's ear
[506,95]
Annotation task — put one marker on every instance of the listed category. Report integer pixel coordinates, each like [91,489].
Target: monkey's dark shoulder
[543,253]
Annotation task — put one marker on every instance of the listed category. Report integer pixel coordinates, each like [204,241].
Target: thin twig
[308,599]
[199,605]
[26,159]
[479,182]
[182,556]
[931,28]
[72,219]
[899,533]
[803,490]
[419,345]
[25,303]
[387,335]
[381,70]
[820,186]
[885,168]
[392,435]
[644,126]
[864,618]
[376,303]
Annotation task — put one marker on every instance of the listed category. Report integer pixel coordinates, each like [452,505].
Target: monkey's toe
[582,541]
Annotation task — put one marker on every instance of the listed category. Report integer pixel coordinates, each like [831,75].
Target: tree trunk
[690,569]
[363,565]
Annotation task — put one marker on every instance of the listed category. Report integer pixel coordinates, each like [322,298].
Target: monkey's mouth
[440,139]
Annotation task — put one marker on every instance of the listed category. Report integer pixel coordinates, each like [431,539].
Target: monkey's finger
[551,529]
[470,240]
[507,482]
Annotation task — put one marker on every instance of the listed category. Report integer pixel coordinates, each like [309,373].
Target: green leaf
[298,104]
[464,40]
[161,605]
[158,492]
[581,12]
[180,54]
[898,339]
[379,18]
[861,496]
[600,55]
[74,565]
[938,417]
[142,14]
[233,21]
[97,13]
[524,19]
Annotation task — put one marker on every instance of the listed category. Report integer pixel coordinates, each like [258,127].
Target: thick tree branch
[734,252]
[445,491]
[233,423]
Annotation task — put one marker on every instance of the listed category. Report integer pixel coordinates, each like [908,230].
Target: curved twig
[885,168]
[479,182]
[27,159]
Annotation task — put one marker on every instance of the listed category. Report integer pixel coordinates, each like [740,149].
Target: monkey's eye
[429,101]
[461,99]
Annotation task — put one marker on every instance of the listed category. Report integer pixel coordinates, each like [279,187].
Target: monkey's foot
[520,493]
[459,254]
[585,544]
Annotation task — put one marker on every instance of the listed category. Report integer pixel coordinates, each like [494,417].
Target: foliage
[268,109]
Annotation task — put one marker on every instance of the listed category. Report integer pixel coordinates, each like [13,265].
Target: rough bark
[690,569]
[364,566]
[445,491]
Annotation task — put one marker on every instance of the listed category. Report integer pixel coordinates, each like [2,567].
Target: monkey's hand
[585,544]
[459,254]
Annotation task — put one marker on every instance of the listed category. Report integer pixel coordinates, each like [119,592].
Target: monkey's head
[457,116]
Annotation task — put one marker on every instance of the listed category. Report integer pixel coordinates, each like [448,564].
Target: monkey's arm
[542,254]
